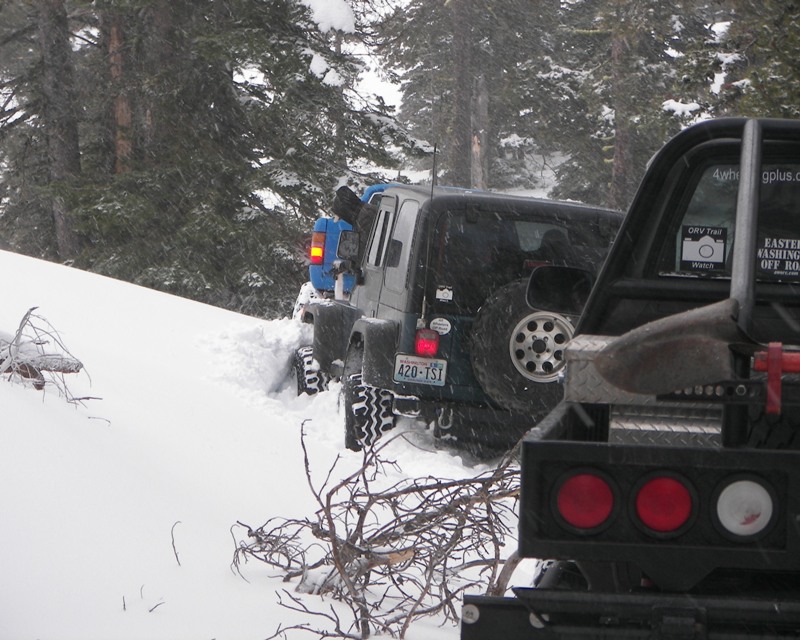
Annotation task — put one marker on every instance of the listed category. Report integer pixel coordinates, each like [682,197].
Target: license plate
[419,370]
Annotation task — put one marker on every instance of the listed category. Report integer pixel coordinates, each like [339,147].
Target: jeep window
[700,241]
[380,237]
[473,255]
[402,237]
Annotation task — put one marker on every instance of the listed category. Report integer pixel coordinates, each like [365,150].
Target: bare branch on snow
[392,552]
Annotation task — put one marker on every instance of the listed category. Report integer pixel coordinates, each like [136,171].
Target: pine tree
[59,117]
[619,60]
[39,153]
[762,75]
[461,65]
[211,132]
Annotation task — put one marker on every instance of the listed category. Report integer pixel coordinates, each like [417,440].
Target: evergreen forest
[188,145]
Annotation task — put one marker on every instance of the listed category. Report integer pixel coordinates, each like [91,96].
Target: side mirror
[347,249]
[560,289]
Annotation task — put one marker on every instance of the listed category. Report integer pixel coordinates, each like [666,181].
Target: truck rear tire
[367,409]
[518,353]
[560,574]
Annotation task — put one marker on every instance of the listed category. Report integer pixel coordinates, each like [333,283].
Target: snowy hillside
[117,511]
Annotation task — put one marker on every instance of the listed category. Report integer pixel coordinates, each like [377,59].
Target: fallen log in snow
[28,352]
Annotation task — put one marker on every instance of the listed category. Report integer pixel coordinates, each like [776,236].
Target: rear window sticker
[703,248]
[779,257]
[444,293]
[441,326]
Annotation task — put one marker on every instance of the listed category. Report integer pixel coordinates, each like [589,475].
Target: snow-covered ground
[193,425]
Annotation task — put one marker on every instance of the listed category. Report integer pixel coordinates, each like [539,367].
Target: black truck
[436,327]
[663,492]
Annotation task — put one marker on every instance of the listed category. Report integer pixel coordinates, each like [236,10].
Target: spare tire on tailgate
[518,353]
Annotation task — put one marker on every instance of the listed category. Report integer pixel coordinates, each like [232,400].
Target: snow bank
[117,512]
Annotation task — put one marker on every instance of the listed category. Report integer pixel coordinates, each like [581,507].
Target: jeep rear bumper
[549,614]
[493,428]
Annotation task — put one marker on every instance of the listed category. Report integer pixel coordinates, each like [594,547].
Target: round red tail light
[745,508]
[585,500]
[664,504]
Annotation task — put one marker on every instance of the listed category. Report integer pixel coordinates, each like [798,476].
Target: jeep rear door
[367,296]
[395,295]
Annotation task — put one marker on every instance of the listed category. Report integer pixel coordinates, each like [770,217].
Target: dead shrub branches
[36,355]
[391,551]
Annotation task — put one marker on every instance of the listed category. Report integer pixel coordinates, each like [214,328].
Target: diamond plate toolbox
[585,384]
[637,418]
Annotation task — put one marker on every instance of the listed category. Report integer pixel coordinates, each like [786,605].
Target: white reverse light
[744,508]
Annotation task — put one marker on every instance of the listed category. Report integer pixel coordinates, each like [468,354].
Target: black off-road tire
[772,431]
[309,378]
[367,409]
[560,574]
[517,352]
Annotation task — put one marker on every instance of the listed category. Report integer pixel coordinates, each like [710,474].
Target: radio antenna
[431,228]
[433,170]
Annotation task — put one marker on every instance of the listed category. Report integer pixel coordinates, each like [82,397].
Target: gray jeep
[437,327]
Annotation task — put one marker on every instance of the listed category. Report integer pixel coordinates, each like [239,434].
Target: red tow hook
[775,362]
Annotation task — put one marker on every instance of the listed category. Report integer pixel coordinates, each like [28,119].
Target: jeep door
[395,294]
[367,296]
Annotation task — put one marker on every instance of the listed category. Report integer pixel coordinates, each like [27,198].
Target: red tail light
[585,500]
[664,504]
[426,343]
[317,252]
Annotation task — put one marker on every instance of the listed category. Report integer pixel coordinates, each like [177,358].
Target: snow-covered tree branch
[35,354]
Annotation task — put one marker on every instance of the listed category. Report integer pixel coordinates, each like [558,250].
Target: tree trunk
[461,134]
[157,58]
[480,134]
[122,114]
[632,93]
[620,73]
[59,116]
[338,116]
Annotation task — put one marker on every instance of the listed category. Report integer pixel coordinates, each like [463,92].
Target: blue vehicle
[322,254]
[324,240]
